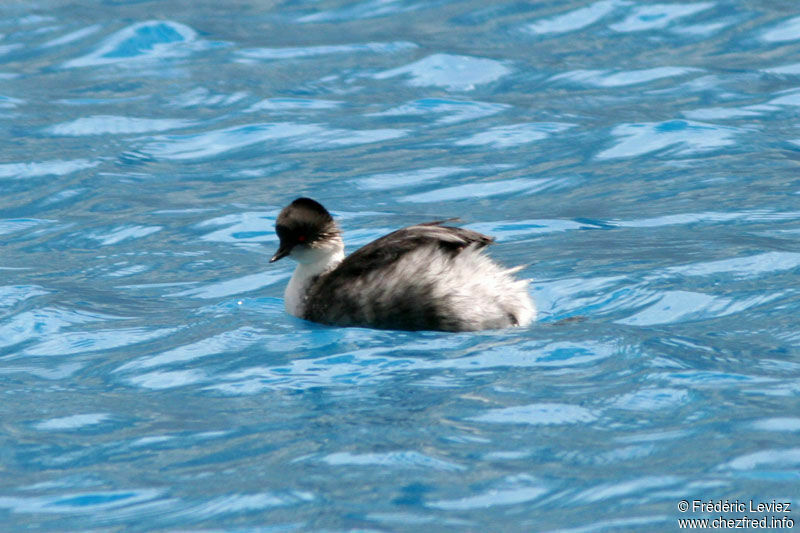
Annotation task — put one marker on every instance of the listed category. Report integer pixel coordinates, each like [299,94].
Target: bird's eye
[301,238]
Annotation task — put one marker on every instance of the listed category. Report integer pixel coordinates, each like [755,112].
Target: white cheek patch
[311,262]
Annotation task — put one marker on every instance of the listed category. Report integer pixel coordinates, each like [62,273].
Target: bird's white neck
[311,262]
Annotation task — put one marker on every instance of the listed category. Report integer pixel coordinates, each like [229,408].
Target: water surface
[640,158]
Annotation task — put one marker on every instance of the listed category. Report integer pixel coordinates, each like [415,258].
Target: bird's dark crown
[304,221]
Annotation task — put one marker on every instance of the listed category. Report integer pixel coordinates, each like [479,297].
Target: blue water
[642,159]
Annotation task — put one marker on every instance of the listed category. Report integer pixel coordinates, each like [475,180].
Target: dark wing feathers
[389,248]
[439,222]
[413,309]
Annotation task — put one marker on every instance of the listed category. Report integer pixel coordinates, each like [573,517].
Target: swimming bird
[424,277]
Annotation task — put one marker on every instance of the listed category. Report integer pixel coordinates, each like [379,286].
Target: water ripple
[8,48]
[16,225]
[531,354]
[630,487]
[168,379]
[790,97]
[373,365]
[454,111]
[681,137]
[792,68]
[716,113]
[88,503]
[362,10]
[680,306]
[253,226]
[229,287]
[284,136]
[38,323]
[148,40]
[76,342]
[454,72]
[576,19]
[537,414]
[224,342]
[651,399]
[658,16]
[603,78]
[44,168]
[72,36]
[411,178]
[44,371]
[510,230]
[312,51]
[710,217]
[11,295]
[514,135]
[709,379]
[511,490]
[123,233]
[9,102]
[73,422]
[277,105]
[788,30]
[481,190]
[238,503]
[403,459]
[103,124]
[742,267]
[202,97]
[786,461]
[777,424]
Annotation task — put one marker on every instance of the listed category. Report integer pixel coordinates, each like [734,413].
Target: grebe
[423,277]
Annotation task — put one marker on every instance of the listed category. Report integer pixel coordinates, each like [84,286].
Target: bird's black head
[303,223]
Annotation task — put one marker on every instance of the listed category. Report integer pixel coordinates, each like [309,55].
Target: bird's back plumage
[424,277]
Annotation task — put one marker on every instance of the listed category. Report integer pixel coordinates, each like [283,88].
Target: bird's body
[423,277]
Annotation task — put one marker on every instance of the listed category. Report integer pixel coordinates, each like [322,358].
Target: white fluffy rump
[470,291]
